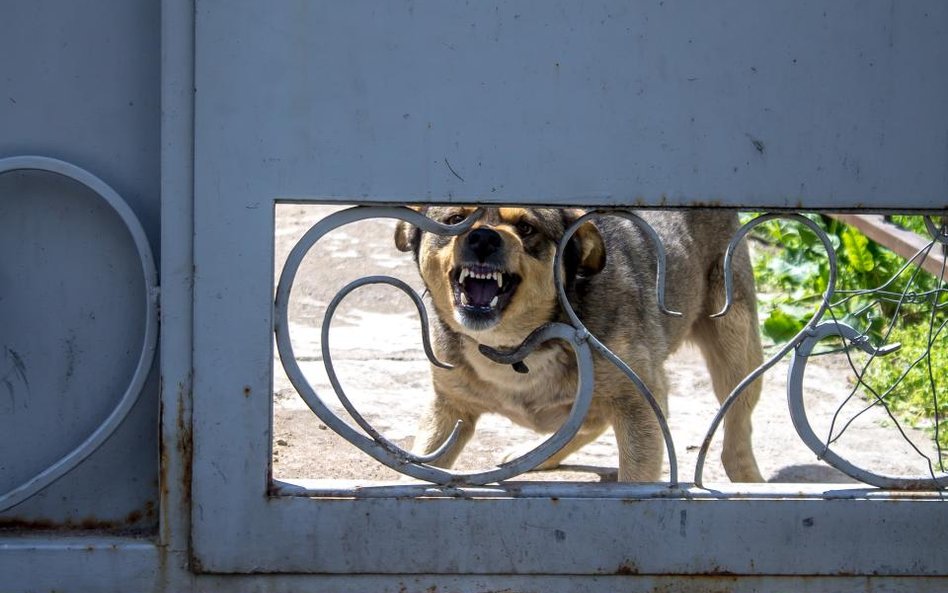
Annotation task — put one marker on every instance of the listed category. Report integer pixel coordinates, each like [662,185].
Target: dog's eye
[455,219]
[525,229]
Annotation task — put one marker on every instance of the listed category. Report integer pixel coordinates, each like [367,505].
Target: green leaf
[780,326]
[856,250]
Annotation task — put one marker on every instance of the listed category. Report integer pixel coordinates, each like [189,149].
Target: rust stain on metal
[185,446]
[717,571]
[89,523]
[182,449]
[134,517]
[184,443]
[162,464]
[705,204]
[627,568]
[18,523]
[136,521]
[247,391]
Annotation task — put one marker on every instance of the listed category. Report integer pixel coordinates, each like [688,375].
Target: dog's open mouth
[481,293]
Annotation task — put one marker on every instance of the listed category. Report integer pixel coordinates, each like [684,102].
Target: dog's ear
[592,250]
[407,235]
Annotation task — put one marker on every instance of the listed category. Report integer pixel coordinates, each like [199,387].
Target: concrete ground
[377,350]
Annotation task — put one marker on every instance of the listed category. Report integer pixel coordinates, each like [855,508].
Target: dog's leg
[638,434]
[732,350]
[588,432]
[436,426]
[730,358]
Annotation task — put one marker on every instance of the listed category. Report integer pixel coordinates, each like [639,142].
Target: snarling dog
[493,285]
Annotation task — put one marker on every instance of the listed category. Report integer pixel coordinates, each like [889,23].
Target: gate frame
[171,562]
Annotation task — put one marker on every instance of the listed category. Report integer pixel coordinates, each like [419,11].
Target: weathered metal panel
[74,564]
[94,261]
[563,584]
[777,104]
[764,105]
[83,87]
[177,273]
[70,565]
[541,102]
[628,530]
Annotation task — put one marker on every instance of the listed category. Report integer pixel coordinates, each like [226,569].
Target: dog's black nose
[484,242]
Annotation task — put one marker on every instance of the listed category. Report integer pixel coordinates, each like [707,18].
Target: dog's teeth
[464,300]
[493,302]
[464,274]
[500,279]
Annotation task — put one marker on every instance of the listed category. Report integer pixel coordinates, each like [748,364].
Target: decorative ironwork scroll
[585,345]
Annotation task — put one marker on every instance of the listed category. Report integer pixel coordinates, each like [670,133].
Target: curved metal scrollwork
[337,386]
[598,345]
[938,234]
[375,445]
[759,371]
[802,424]
[149,277]
[815,330]
[583,344]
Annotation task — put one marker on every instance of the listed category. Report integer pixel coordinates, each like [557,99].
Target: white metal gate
[778,106]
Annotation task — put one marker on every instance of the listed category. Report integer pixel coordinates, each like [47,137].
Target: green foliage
[916,224]
[855,249]
[908,306]
[912,378]
[792,270]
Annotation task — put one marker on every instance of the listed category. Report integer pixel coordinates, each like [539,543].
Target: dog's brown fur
[610,280]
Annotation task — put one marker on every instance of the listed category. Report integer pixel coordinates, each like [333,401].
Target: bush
[878,294]
[792,270]
[914,377]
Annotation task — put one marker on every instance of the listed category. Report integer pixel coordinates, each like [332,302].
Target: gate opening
[378,355]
